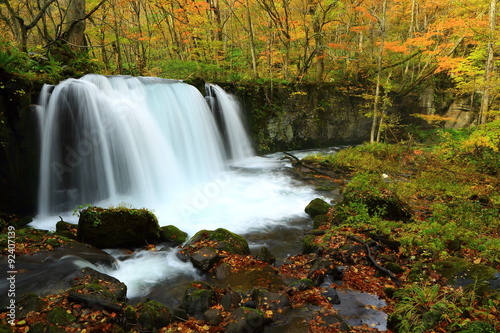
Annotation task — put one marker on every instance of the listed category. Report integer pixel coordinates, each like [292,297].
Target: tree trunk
[377,124]
[485,101]
[75,25]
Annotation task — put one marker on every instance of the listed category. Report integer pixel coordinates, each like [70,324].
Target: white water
[155,143]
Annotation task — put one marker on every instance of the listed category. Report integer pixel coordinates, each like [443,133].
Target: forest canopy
[395,46]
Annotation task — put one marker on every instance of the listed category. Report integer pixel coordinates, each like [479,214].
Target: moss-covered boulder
[66,229]
[371,190]
[462,273]
[117,227]
[317,207]
[153,315]
[220,239]
[198,298]
[60,316]
[172,235]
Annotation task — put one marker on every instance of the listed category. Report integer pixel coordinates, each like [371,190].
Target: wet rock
[333,321]
[266,256]
[224,240]
[29,302]
[462,273]
[213,316]
[152,314]
[172,235]
[302,284]
[54,271]
[231,300]
[322,267]
[205,258]
[246,320]
[60,316]
[320,220]
[268,300]
[222,271]
[89,281]
[120,227]
[331,295]
[66,229]
[198,298]
[309,244]
[316,207]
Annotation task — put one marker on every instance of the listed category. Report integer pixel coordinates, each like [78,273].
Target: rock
[198,298]
[66,229]
[331,295]
[320,220]
[94,301]
[246,320]
[332,321]
[461,273]
[371,190]
[302,284]
[309,244]
[231,300]
[224,240]
[322,267]
[269,300]
[222,271]
[316,207]
[29,302]
[60,316]
[119,227]
[213,316]
[152,314]
[266,256]
[172,235]
[205,258]
[90,281]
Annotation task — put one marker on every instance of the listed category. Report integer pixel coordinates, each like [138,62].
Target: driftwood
[297,161]
[374,263]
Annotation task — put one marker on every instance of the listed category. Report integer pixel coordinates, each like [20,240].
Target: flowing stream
[160,144]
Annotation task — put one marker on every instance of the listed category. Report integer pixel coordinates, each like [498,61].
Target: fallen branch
[296,161]
[374,263]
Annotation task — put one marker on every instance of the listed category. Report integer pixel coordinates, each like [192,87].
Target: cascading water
[156,143]
[137,140]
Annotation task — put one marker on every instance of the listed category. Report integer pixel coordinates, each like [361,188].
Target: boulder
[172,235]
[246,320]
[220,239]
[198,298]
[316,207]
[153,315]
[205,258]
[117,227]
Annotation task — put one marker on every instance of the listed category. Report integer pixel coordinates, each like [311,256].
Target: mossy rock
[302,284]
[370,189]
[462,273]
[198,298]
[317,207]
[66,229]
[320,220]
[119,227]
[309,244]
[60,316]
[172,235]
[30,302]
[225,241]
[153,315]
[246,320]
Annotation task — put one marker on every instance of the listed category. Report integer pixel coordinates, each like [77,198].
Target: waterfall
[141,141]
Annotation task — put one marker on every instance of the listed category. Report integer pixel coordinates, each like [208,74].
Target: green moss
[227,240]
[316,207]
[60,316]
